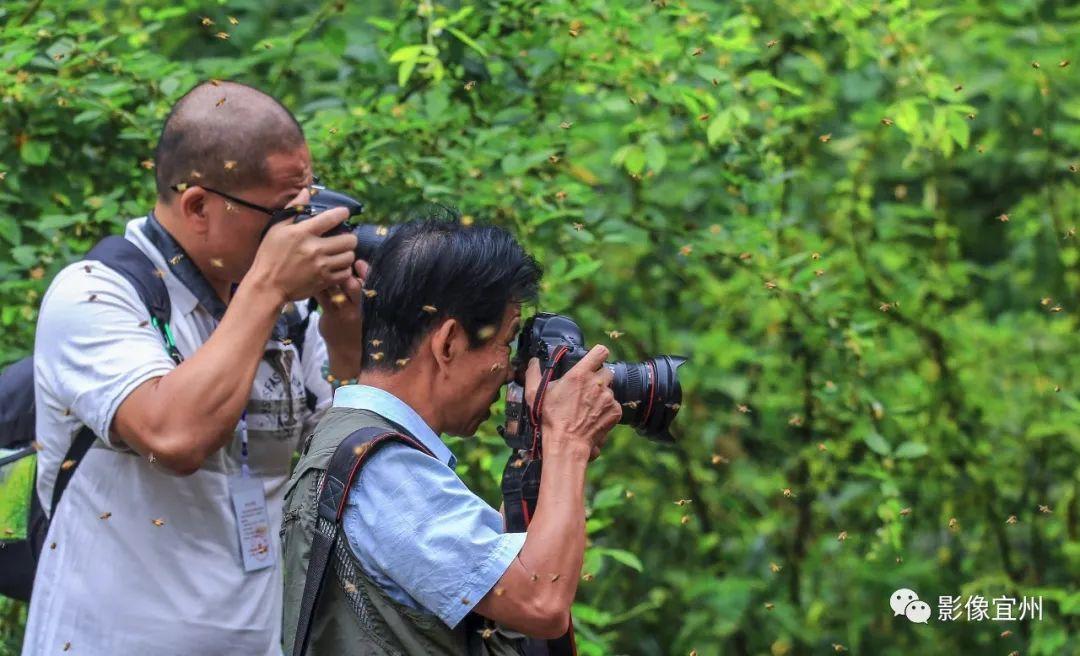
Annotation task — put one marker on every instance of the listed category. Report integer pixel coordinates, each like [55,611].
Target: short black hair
[220,134]
[436,268]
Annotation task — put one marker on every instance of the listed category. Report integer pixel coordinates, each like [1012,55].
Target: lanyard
[244,470]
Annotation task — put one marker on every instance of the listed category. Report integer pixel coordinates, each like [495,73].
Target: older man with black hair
[425,560]
[165,540]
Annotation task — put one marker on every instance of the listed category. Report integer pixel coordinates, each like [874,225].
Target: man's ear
[448,343]
[192,204]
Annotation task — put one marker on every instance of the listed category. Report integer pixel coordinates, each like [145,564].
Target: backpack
[23,521]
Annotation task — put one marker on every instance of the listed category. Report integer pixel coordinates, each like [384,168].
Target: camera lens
[650,394]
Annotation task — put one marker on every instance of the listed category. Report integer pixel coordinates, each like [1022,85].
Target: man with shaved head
[165,540]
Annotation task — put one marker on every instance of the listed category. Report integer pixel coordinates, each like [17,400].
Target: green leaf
[467,40]
[911,450]
[622,556]
[877,443]
[35,153]
[719,128]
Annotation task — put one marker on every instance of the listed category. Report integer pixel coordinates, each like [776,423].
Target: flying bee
[686,250]
[401,362]
[1063,63]
[718,459]
[743,408]
[207,21]
[486,332]
[464,601]
[629,495]
[338,298]
[349,587]
[230,165]
[370,293]
[1038,132]
[566,125]
[842,536]
[958,87]
[560,195]
[375,342]
[971,117]
[683,502]
[216,262]
[795,420]
[470,85]
[769,605]
[904,512]
[1056,308]
[697,52]
[233,20]
[378,355]
[837,647]
[1045,509]
[770,284]
[788,493]
[980,148]
[825,138]
[886,122]
[499,592]
[703,117]
[430,309]
[220,102]
[554,577]
[819,272]
[175,259]
[105,515]
[715,82]
[587,577]
[954,524]
[1006,633]
[554,159]
[1004,218]
[159,522]
[93,297]
[486,633]
[774,567]
[224,36]
[821,447]
[1011,520]
[745,256]
[67,464]
[615,334]
[67,646]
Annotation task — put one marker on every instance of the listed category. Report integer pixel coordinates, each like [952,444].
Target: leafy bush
[857,219]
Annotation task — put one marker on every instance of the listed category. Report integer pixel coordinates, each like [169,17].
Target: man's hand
[580,408]
[296,262]
[341,323]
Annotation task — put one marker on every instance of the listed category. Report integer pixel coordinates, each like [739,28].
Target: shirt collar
[385,404]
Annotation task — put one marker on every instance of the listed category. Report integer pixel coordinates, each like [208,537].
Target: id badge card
[252,522]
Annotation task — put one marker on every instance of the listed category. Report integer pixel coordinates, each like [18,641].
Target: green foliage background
[802,196]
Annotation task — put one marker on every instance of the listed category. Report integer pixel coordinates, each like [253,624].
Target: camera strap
[521,491]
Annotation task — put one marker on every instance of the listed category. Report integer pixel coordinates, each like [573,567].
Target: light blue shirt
[418,532]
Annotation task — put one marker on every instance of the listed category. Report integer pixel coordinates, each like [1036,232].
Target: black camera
[649,391]
[368,237]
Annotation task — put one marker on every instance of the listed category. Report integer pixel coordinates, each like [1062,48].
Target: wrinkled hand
[580,408]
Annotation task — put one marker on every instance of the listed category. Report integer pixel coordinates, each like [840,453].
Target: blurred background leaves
[857,218]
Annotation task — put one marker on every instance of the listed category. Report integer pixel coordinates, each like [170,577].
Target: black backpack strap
[345,464]
[84,439]
[129,261]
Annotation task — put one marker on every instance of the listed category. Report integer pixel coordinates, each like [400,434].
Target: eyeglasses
[276,215]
